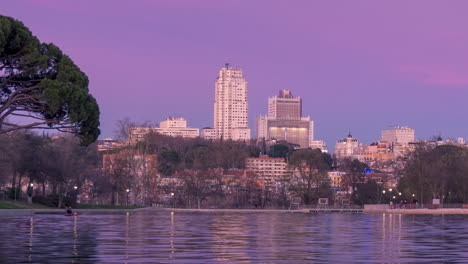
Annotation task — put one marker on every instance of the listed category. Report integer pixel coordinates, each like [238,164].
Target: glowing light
[383,191]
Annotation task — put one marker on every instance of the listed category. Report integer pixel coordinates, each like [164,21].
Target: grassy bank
[21,205]
[9,206]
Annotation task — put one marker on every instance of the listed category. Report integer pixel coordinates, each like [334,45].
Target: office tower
[230,106]
[284,121]
[285,106]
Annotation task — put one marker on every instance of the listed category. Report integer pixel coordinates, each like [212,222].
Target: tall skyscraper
[285,121]
[230,106]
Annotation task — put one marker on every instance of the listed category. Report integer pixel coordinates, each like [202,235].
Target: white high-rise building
[230,106]
[398,134]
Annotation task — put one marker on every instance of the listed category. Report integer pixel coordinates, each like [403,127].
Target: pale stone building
[347,147]
[319,144]
[208,133]
[336,177]
[174,127]
[398,135]
[270,170]
[230,106]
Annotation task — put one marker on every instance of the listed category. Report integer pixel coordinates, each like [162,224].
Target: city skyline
[354,75]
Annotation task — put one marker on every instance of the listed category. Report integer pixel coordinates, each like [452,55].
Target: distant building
[319,144]
[347,147]
[108,144]
[336,177]
[377,151]
[270,170]
[230,106]
[174,127]
[209,133]
[398,134]
[285,121]
[285,106]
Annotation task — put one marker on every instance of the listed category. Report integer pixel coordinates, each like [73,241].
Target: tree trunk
[59,205]
[13,183]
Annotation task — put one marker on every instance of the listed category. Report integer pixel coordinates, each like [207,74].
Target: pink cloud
[436,75]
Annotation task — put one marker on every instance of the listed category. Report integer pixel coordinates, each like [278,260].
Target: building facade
[270,170]
[230,105]
[347,147]
[173,126]
[398,135]
[285,106]
[285,121]
[319,144]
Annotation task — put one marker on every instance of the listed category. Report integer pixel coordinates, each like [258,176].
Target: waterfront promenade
[29,212]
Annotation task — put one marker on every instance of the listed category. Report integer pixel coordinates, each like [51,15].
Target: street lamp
[128,191]
[399,193]
[75,187]
[390,189]
[172,198]
[383,191]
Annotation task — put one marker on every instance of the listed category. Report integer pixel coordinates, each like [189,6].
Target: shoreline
[439,211]
[31,212]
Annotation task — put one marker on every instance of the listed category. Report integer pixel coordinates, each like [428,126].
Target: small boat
[71,214]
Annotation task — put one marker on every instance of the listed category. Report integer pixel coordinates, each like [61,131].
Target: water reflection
[235,238]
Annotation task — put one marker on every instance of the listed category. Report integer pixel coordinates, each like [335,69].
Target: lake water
[165,237]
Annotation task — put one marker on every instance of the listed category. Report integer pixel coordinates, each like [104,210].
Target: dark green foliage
[168,162]
[367,193]
[436,172]
[176,154]
[13,193]
[313,181]
[40,83]
[54,200]
[279,151]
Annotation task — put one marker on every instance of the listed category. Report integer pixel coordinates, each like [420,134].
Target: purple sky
[360,66]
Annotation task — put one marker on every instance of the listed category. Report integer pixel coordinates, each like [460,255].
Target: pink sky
[360,66]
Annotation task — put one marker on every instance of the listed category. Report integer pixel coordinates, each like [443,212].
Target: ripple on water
[234,238]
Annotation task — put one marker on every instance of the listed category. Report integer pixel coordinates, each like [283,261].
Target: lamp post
[172,198]
[128,191]
[30,192]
